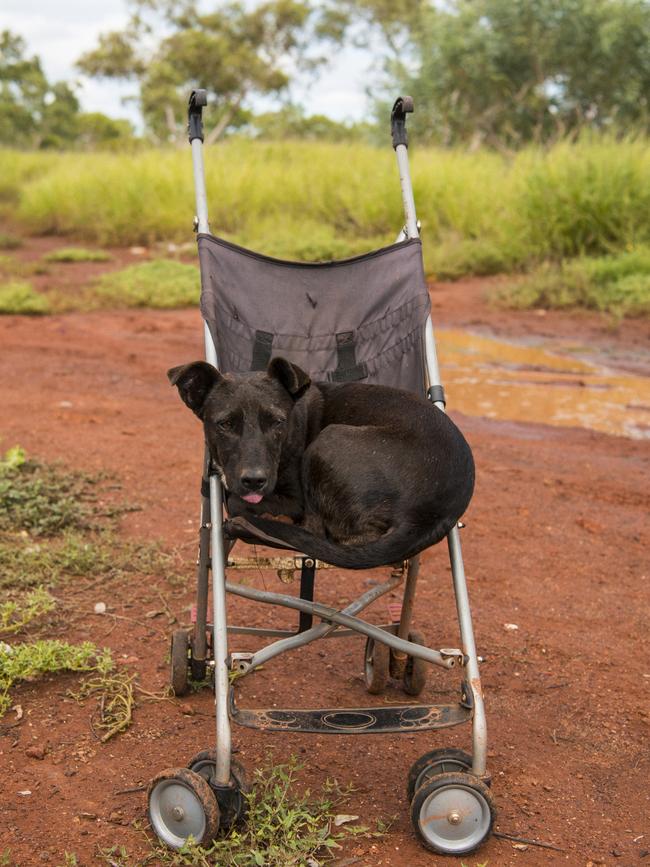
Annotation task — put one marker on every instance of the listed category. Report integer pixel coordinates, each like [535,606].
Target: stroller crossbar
[362,318]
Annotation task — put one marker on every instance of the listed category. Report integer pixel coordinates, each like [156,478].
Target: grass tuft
[162,283]
[77,254]
[20,297]
[26,661]
[16,614]
[44,499]
[616,284]
[9,242]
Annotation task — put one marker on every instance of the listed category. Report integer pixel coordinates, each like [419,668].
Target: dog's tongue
[253,498]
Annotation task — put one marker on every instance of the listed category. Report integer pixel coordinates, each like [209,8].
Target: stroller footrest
[352,720]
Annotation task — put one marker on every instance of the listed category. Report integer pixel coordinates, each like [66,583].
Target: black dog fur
[371,475]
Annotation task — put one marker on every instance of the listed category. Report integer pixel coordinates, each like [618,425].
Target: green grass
[481,213]
[44,499]
[30,660]
[163,283]
[15,614]
[20,297]
[283,828]
[9,241]
[77,254]
[27,562]
[616,284]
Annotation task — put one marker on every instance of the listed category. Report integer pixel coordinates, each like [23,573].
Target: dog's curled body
[372,475]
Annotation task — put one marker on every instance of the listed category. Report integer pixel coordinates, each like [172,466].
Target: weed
[162,283]
[70,860]
[77,254]
[16,614]
[282,827]
[26,661]
[116,702]
[20,297]
[9,242]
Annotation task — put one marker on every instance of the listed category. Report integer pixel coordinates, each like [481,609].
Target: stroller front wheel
[453,814]
[181,805]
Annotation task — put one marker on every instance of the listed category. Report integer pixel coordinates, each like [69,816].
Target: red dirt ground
[556,542]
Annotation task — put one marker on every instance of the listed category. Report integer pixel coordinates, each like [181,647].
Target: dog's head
[247,419]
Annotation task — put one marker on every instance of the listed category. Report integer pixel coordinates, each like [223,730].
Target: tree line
[496,73]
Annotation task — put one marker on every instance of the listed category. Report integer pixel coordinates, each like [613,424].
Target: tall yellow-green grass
[480,212]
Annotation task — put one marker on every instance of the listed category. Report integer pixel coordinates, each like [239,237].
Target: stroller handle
[198,100]
[402,106]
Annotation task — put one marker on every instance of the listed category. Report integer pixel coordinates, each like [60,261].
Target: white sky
[59,32]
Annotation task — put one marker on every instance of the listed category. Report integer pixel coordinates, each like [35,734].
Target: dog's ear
[292,377]
[194,382]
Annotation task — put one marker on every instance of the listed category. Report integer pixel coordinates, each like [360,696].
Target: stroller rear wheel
[231,799]
[416,670]
[179,673]
[376,665]
[182,805]
[441,761]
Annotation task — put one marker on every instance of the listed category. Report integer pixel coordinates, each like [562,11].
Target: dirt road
[556,542]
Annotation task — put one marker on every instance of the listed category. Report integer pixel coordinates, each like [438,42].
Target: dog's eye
[225,424]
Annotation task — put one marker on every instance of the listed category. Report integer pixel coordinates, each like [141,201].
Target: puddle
[488,377]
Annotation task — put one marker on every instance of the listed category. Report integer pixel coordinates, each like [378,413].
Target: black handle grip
[198,101]
[403,105]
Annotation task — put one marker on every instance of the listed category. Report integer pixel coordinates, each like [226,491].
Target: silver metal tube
[322,629]
[431,354]
[479,726]
[221,683]
[402,154]
[330,615]
[199,185]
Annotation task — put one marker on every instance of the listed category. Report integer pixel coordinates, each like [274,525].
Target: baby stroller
[371,323]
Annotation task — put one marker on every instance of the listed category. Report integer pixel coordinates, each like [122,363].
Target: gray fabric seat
[355,319]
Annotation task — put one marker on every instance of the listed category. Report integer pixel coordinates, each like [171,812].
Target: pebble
[36,751]
[100,608]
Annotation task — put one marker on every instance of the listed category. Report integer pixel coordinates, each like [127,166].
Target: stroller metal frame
[214,556]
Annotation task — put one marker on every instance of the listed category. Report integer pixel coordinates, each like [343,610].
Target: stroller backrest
[356,319]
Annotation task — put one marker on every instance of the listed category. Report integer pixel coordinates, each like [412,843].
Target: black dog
[374,475]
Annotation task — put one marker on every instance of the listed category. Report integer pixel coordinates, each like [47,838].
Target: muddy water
[488,377]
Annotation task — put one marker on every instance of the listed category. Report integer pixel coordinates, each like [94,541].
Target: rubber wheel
[453,814]
[233,808]
[181,805]
[416,671]
[179,670]
[442,761]
[376,665]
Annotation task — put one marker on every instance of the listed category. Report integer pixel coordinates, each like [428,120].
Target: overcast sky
[59,32]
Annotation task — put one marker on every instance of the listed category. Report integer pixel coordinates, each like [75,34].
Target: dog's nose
[253,480]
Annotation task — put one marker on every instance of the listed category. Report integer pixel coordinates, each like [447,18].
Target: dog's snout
[253,480]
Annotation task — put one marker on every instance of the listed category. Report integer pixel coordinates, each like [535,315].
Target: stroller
[371,323]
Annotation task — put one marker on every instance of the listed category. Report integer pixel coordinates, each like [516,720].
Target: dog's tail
[401,544]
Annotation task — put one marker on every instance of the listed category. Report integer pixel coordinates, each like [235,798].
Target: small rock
[187,709]
[25,792]
[137,251]
[36,751]
[510,627]
[100,608]
[115,817]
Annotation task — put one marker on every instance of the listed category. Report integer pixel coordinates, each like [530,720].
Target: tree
[33,113]
[37,114]
[506,72]
[234,52]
